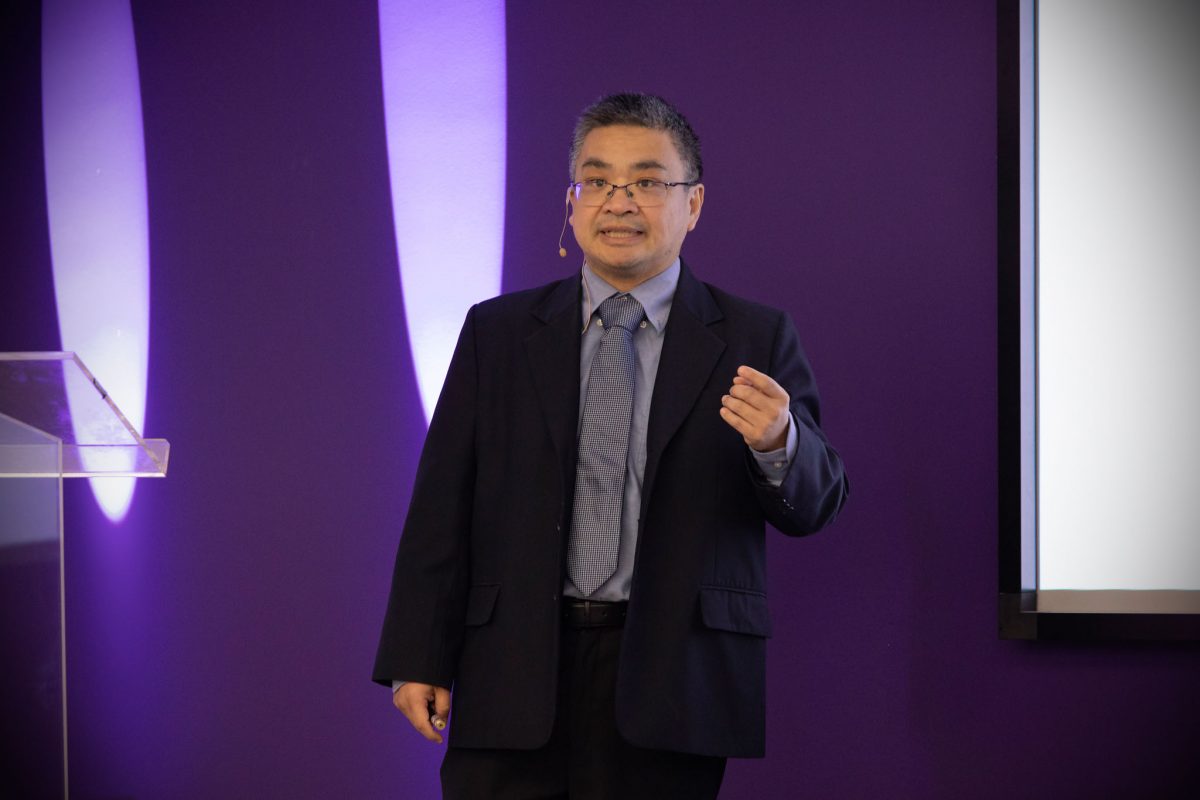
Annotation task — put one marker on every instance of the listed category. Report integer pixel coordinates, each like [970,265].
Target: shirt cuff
[773,465]
[396,685]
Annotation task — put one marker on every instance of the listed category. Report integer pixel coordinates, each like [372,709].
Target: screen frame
[1024,611]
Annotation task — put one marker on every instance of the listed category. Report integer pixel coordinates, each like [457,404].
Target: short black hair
[644,111]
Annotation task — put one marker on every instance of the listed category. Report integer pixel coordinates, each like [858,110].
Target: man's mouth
[620,233]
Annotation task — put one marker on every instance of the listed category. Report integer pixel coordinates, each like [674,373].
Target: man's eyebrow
[599,164]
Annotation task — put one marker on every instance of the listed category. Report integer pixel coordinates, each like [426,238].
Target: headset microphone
[562,251]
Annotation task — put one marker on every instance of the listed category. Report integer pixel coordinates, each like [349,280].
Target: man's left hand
[757,408]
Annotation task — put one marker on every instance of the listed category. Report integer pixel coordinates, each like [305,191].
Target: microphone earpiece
[562,251]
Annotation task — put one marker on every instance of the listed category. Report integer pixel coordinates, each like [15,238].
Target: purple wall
[220,641]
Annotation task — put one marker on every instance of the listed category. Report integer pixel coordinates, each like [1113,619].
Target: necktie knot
[621,310]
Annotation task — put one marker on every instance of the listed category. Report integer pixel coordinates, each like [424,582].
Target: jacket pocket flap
[481,600]
[736,611]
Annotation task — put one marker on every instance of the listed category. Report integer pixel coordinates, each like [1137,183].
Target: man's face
[626,244]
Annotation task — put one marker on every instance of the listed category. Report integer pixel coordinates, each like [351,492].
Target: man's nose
[620,200]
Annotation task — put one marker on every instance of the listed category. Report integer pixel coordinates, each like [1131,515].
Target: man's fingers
[761,421]
[761,381]
[761,414]
[741,408]
[441,708]
[737,423]
[414,701]
[754,396]
[418,716]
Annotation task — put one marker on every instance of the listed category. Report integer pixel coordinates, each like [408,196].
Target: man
[583,558]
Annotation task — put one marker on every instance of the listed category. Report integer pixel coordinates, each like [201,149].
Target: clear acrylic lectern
[55,422]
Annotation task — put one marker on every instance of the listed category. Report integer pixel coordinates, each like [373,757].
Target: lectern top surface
[58,420]
[55,393]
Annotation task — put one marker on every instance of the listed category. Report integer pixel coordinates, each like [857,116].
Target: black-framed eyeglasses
[644,192]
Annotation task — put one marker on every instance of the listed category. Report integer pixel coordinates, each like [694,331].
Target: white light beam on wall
[444,92]
[96,203]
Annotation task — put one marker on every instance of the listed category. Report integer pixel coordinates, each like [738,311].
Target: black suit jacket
[475,600]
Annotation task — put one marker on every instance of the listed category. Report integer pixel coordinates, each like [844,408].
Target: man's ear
[695,202]
[567,217]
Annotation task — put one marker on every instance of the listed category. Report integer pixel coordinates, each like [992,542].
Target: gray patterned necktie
[603,448]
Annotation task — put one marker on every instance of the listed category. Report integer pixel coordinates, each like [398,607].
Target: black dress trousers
[586,758]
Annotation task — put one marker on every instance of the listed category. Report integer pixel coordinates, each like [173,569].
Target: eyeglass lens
[644,193]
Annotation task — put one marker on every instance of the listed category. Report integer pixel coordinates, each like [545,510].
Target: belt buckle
[584,613]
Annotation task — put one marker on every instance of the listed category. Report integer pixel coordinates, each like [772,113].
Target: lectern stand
[55,422]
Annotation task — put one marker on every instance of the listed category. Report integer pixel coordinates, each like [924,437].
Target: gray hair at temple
[643,111]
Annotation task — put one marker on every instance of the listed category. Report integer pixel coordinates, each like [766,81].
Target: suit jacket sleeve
[815,487]
[423,628]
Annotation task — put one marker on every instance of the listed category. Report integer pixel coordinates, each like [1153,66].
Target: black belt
[593,613]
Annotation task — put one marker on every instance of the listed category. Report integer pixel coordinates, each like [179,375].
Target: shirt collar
[655,295]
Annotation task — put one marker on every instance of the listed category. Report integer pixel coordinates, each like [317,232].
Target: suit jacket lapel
[553,352]
[689,355]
